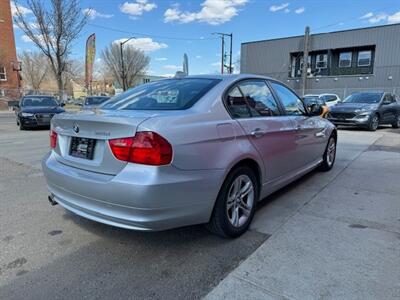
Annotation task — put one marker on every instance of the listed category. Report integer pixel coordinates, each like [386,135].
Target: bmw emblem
[76,128]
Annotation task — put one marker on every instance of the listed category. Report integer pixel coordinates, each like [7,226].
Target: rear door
[253,105]
[310,138]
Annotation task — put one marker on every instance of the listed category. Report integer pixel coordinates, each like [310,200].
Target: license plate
[82,147]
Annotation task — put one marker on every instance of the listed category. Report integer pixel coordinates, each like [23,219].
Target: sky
[166,29]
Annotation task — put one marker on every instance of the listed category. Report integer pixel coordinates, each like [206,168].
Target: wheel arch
[253,165]
[244,161]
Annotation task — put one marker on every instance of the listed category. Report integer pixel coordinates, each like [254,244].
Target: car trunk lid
[88,132]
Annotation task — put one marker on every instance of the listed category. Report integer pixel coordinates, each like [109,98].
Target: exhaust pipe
[51,200]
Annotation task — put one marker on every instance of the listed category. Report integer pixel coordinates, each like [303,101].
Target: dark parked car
[94,101]
[36,111]
[368,110]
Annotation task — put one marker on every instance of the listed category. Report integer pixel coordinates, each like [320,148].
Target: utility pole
[222,53]
[223,35]
[305,60]
[123,75]
[230,55]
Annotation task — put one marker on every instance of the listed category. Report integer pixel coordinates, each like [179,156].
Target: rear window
[95,100]
[310,100]
[167,94]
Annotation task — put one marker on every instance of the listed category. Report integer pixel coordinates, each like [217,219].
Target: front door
[388,109]
[310,136]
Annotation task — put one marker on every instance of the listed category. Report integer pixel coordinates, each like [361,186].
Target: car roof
[37,96]
[229,77]
[370,92]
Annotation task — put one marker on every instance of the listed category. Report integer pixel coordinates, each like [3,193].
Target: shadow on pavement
[184,263]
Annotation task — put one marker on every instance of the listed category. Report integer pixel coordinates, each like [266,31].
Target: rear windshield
[39,101]
[369,98]
[310,100]
[95,100]
[167,94]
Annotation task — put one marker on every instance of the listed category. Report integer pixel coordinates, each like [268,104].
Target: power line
[347,20]
[150,35]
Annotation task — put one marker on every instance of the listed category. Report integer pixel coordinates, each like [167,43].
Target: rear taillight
[53,139]
[146,147]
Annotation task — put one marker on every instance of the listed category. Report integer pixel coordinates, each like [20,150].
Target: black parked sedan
[36,111]
[367,109]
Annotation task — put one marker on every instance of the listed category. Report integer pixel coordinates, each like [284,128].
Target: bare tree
[135,62]
[73,70]
[56,25]
[35,66]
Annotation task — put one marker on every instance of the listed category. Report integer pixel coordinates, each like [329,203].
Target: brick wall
[8,55]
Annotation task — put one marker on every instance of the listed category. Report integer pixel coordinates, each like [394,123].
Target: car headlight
[26,114]
[363,115]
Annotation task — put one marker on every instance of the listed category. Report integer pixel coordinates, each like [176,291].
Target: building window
[345,59]
[300,70]
[3,75]
[364,58]
[322,61]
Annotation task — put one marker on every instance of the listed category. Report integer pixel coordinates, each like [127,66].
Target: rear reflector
[53,139]
[146,147]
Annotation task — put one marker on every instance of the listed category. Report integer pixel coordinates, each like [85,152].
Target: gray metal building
[339,62]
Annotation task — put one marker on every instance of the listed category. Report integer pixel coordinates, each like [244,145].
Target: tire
[329,155]
[396,123]
[373,123]
[234,221]
[21,127]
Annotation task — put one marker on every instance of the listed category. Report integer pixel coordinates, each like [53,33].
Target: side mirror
[62,104]
[316,110]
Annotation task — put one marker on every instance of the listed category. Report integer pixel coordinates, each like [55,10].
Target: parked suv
[368,110]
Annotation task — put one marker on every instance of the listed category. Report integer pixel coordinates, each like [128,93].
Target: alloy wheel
[375,122]
[331,152]
[240,200]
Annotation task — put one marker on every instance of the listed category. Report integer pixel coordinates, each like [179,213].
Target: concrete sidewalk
[334,235]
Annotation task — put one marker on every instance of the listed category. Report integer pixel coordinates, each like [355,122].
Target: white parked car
[330,99]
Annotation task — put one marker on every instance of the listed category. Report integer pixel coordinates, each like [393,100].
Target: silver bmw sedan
[183,151]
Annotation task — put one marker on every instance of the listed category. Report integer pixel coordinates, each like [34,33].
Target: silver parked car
[182,151]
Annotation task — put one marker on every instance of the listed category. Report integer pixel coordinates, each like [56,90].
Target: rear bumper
[139,197]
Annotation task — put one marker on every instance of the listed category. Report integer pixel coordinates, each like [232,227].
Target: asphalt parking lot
[328,235]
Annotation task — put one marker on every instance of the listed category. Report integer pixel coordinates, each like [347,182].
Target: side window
[388,99]
[237,104]
[259,98]
[329,98]
[292,104]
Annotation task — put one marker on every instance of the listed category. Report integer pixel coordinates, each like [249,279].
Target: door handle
[257,133]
